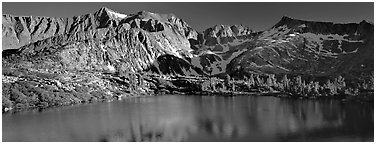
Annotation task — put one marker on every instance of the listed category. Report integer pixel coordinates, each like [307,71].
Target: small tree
[331,87]
[233,87]
[228,82]
[251,80]
[271,81]
[259,81]
[298,85]
[371,81]
[340,83]
[316,87]
[133,81]
[285,82]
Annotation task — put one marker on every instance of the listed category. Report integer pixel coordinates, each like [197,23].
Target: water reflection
[196,118]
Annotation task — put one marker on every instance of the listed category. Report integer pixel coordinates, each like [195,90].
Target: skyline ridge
[105,8]
[256,15]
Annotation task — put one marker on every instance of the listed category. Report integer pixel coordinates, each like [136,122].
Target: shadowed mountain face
[163,43]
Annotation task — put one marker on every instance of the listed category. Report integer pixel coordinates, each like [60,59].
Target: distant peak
[222,26]
[288,21]
[365,22]
[144,13]
[228,30]
[104,9]
[286,18]
[154,16]
[110,13]
[148,13]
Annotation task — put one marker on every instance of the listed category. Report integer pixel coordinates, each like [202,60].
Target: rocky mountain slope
[162,43]
[308,48]
[290,47]
[104,40]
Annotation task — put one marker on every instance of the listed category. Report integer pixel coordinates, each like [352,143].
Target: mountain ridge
[108,10]
[220,49]
[101,38]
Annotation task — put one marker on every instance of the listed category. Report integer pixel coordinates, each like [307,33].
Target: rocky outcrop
[22,30]
[223,34]
[170,64]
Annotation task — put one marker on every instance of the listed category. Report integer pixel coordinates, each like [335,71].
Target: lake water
[195,118]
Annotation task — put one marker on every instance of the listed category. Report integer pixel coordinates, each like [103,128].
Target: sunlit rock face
[223,34]
[95,41]
[165,44]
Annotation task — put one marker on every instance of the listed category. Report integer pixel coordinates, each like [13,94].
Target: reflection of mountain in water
[196,118]
[225,119]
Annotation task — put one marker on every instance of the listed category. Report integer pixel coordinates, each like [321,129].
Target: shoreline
[35,88]
[280,95]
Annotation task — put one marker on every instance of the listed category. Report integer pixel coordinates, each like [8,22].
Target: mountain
[308,48]
[103,40]
[162,43]
[290,47]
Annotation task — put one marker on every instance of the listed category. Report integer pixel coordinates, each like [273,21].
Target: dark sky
[258,16]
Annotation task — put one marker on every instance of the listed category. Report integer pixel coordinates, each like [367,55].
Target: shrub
[18,96]
[82,89]
[98,94]
[7,103]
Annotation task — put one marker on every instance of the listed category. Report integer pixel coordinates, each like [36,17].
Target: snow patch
[101,46]
[302,26]
[209,52]
[319,38]
[354,51]
[274,32]
[110,67]
[237,42]
[216,68]
[116,15]
[220,66]
[170,49]
[340,45]
[253,64]
[225,48]
[156,65]
[281,41]
[190,72]
[195,61]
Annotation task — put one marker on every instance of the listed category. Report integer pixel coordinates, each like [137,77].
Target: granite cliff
[104,40]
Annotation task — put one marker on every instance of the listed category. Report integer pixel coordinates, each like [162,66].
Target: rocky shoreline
[42,88]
